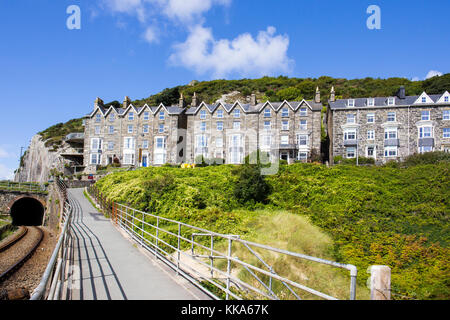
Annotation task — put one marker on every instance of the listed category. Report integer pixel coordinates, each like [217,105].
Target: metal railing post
[157,235]
[178,248]
[230,242]
[212,254]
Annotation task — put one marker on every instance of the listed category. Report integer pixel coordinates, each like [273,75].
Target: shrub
[427,158]
[251,186]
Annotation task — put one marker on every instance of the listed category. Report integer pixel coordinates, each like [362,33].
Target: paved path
[111,268]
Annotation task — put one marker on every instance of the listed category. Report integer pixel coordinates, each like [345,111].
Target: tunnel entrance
[27,212]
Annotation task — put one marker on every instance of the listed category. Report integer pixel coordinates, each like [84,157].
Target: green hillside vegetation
[54,135]
[367,215]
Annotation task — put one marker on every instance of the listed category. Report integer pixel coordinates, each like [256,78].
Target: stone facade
[389,128]
[146,136]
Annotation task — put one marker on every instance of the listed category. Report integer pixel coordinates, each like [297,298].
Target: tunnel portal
[27,212]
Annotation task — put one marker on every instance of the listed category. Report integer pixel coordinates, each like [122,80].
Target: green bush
[251,186]
[427,158]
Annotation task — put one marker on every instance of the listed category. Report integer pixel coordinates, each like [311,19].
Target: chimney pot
[253,99]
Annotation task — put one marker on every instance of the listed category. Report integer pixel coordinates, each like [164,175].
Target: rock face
[39,161]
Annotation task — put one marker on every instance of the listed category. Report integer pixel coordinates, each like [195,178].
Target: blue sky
[51,74]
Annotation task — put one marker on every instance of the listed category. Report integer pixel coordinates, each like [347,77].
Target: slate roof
[380,102]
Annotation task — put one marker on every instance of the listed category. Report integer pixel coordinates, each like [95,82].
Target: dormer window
[424,99]
[267,113]
[370,102]
[446,99]
[391,101]
[351,102]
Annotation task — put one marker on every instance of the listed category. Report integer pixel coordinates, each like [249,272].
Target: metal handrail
[22,186]
[150,235]
[54,274]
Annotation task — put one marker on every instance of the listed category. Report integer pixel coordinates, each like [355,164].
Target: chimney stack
[98,103]
[253,99]
[126,102]
[332,95]
[317,98]
[401,93]
[181,101]
[194,100]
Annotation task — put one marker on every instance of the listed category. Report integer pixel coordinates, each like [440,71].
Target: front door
[144,161]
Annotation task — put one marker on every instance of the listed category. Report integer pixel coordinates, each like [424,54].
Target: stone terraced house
[388,128]
[156,135]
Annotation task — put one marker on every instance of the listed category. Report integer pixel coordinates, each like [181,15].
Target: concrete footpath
[107,266]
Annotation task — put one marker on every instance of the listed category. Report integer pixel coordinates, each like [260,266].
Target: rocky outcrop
[38,162]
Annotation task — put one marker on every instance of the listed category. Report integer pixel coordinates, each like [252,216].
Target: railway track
[18,250]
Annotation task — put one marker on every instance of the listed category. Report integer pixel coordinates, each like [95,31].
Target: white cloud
[151,35]
[188,10]
[6,173]
[244,55]
[433,73]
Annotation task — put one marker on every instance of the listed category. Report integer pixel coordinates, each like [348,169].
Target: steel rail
[22,260]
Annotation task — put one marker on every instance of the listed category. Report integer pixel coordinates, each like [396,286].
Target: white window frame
[388,152]
[145,128]
[285,112]
[112,117]
[219,142]
[446,115]
[129,143]
[391,101]
[302,140]
[370,102]
[350,134]
[130,128]
[374,151]
[219,125]
[285,125]
[267,113]
[351,116]
[161,128]
[389,116]
[425,115]
[348,154]
[97,130]
[303,112]
[351,103]
[96,144]
[110,145]
[267,125]
[98,118]
[203,126]
[284,140]
[388,132]
[371,116]
[444,134]
[202,114]
[111,130]
[425,132]
[220,113]
[98,158]
[162,115]
[131,116]
[370,134]
[237,125]
[237,113]
[303,124]
[145,144]
[163,145]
